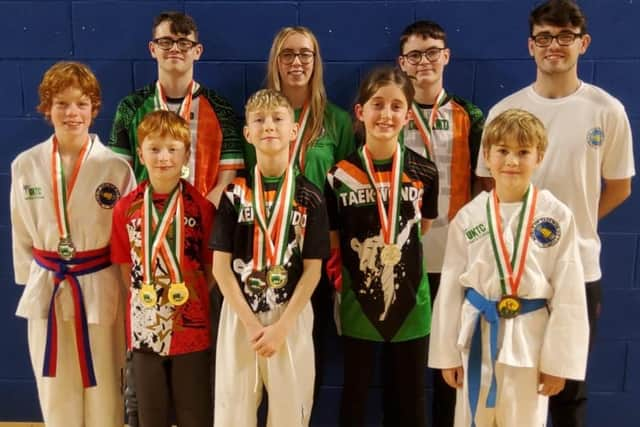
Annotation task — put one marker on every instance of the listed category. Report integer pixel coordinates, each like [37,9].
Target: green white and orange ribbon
[62,191]
[296,153]
[160,100]
[271,232]
[426,127]
[388,217]
[511,266]
[155,229]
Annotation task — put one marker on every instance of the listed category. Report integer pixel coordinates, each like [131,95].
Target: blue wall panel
[115,29]
[490,60]
[11,89]
[36,29]
[357,31]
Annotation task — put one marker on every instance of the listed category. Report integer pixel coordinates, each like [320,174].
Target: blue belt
[488,309]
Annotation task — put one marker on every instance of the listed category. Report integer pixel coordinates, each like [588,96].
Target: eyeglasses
[565,38]
[432,54]
[166,43]
[288,56]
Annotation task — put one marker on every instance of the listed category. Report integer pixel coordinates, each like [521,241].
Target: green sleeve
[343,131]
[476,117]
[119,140]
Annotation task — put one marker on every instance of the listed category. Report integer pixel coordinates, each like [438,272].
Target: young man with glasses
[589,161]
[446,129]
[216,149]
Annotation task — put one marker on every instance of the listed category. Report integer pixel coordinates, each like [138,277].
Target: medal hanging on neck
[391,253]
[509,304]
[271,233]
[296,152]
[155,242]
[61,192]
[426,127]
[160,103]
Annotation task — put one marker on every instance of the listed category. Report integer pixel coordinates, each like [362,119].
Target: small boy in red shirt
[159,240]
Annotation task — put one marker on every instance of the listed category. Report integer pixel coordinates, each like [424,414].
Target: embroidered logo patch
[107,195]
[32,192]
[474,233]
[595,137]
[545,232]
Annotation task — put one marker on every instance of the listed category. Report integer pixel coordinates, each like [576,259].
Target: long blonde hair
[318,99]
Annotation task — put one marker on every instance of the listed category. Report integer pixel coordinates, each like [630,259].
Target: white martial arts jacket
[102,180]
[555,340]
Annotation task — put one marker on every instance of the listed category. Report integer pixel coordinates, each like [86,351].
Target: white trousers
[517,401]
[63,399]
[288,375]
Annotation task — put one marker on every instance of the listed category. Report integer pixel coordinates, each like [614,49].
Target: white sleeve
[566,339]
[617,157]
[445,321]
[21,239]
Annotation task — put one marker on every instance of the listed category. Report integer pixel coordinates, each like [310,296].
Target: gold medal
[148,295]
[184,172]
[66,250]
[390,255]
[257,281]
[178,293]
[277,277]
[508,306]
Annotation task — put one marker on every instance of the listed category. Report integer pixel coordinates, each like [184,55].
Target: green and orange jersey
[215,130]
[456,137]
[381,302]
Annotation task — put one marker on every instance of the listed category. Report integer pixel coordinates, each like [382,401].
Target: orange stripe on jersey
[354,172]
[208,148]
[460,160]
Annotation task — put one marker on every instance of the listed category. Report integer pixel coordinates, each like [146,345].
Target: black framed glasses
[564,38]
[166,43]
[432,55]
[287,56]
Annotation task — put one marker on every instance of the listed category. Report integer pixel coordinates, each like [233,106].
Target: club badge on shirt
[107,195]
[545,232]
[595,137]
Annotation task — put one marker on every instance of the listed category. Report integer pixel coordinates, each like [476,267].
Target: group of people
[217,254]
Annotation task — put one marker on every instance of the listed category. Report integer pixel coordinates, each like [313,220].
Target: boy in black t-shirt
[270,236]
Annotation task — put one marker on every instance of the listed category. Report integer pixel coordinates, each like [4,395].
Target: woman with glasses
[325,136]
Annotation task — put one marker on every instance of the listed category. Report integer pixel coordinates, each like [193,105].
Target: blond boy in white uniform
[510,321]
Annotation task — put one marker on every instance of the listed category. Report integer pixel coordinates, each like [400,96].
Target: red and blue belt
[83,263]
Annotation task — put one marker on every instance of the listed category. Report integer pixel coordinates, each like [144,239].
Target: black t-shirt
[308,236]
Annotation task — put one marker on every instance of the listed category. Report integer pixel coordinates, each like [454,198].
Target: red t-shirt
[164,328]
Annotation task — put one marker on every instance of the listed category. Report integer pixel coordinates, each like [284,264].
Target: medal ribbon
[388,217]
[296,154]
[514,267]
[154,241]
[61,192]
[425,127]
[272,232]
[160,100]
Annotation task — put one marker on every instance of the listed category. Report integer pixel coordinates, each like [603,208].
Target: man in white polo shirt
[589,160]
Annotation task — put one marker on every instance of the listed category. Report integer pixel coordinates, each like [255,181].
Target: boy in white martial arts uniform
[510,320]
[270,236]
[62,194]
[589,161]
